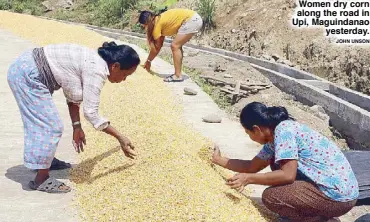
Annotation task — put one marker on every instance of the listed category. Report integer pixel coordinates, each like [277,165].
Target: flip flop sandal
[51,185]
[59,165]
[171,79]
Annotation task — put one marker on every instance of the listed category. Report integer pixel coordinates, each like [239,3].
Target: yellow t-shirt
[169,22]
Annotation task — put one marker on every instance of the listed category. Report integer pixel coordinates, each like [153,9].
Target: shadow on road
[23,175]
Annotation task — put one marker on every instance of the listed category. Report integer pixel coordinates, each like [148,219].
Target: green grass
[207,9]
[118,14]
[33,7]
[5,5]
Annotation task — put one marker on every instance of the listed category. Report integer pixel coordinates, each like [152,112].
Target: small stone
[219,68]
[189,91]
[228,76]
[320,112]
[323,116]
[233,30]
[253,33]
[52,5]
[289,97]
[317,108]
[212,119]
[266,57]
[285,62]
[193,53]
[289,63]
[276,57]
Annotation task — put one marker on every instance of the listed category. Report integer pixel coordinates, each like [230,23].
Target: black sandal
[51,185]
[171,79]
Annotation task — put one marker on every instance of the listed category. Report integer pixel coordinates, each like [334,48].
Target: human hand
[239,181]
[216,155]
[78,139]
[127,147]
[147,65]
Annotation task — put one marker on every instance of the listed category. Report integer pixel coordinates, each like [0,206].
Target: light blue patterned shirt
[319,159]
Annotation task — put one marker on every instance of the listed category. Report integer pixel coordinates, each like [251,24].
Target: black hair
[148,18]
[146,15]
[125,55]
[259,114]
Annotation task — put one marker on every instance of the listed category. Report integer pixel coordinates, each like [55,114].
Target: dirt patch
[211,65]
[262,29]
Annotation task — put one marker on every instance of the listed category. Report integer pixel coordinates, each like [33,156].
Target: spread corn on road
[170,180]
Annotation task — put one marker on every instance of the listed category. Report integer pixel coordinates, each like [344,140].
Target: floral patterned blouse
[319,160]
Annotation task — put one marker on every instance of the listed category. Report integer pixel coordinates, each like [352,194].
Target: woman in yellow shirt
[183,22]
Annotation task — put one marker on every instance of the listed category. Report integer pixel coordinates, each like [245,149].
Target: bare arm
[78,134]
[242,166]
[110,130]
[74,112]
[127,146]
[286,175]
[91,92]
[154,51]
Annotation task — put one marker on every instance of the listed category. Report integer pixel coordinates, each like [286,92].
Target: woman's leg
[185,33]
[177,51]
[42,125]
[302,201]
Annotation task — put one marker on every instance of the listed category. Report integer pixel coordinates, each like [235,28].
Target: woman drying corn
[311,179]
[183,23]
[81,73]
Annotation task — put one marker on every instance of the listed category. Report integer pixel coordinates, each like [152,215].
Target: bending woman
[81,73]
[183,23]
[311,179]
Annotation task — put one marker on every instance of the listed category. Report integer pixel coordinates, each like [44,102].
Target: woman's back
[71,60]
[73,65]
[169,22]
[319,159]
